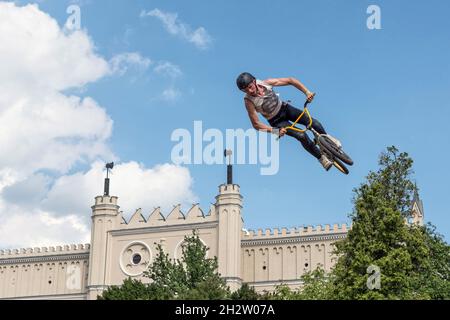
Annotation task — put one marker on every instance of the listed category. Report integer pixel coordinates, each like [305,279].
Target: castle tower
[105,217]
[229,206]
[417,214]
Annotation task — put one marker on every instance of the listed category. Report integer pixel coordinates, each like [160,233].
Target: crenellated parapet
[109,200]
[229,194]
[44,251]
[229,188]
[176,216]
[295,231]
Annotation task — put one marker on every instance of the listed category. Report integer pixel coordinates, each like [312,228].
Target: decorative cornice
[289,240]
[97,287]
[274,282]
[50,258]
[165,228]
[232,279]
[65,296]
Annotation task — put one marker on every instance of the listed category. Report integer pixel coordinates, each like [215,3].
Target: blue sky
[375,88]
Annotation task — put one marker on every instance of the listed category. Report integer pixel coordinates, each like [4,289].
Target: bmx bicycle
[328,145]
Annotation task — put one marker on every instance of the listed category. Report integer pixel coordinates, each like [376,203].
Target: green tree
[380,237]
[245,292]
[131,289]
[317,285]
[434,278]
[194,277]
[168,277]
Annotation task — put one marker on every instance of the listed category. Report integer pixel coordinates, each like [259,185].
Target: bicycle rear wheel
[340,166]
[337,152]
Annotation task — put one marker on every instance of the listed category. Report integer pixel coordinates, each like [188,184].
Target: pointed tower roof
[416,200]
[417,212]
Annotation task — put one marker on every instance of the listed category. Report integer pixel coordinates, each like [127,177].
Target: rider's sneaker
[325,162]
[335,141]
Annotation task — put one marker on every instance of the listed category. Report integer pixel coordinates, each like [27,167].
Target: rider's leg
[307,143]
[280,121]
[292,114]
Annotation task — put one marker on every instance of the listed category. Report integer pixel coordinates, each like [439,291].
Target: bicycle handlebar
[306,104]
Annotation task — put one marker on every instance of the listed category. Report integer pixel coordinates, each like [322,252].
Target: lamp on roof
[109,166]
[228,153]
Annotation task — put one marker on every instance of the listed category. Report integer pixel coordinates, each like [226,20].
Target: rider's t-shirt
[269,104]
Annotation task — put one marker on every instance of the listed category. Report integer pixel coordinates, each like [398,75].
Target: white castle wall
[142,234]
[262,258]
[44,273]
[274,256]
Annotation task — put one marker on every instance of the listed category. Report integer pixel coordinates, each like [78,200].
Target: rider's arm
[253,115]
[278,82]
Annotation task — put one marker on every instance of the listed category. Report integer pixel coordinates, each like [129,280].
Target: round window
[136,258]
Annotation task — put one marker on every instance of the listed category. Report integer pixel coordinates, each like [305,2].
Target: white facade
[120,249]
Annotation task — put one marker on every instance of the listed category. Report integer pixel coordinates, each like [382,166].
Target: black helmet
[244,80]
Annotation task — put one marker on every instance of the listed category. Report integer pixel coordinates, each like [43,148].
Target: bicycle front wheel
[331,147]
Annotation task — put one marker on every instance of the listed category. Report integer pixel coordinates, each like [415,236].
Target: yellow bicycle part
[293,127]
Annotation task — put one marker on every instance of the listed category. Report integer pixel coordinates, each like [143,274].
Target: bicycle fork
[317,143]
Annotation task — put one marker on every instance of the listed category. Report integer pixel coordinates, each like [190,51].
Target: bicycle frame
[305,110]
[323,150]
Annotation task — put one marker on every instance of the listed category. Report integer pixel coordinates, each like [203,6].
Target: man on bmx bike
[260,98]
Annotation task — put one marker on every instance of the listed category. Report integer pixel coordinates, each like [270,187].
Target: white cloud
[61,213]
[37,53]
[28,193]
[122,62]
[38,229]
[52,131]
[170,95]
[199,37]
[168,69]
[137,187]
[172,71]
[41,128]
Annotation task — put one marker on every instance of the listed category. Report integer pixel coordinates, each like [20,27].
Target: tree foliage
[192,277]
[406,255]
[131,289]
[413,260]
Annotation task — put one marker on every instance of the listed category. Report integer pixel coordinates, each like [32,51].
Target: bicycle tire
[340,166]
[329,145]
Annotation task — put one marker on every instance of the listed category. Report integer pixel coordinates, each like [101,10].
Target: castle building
[120,249]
